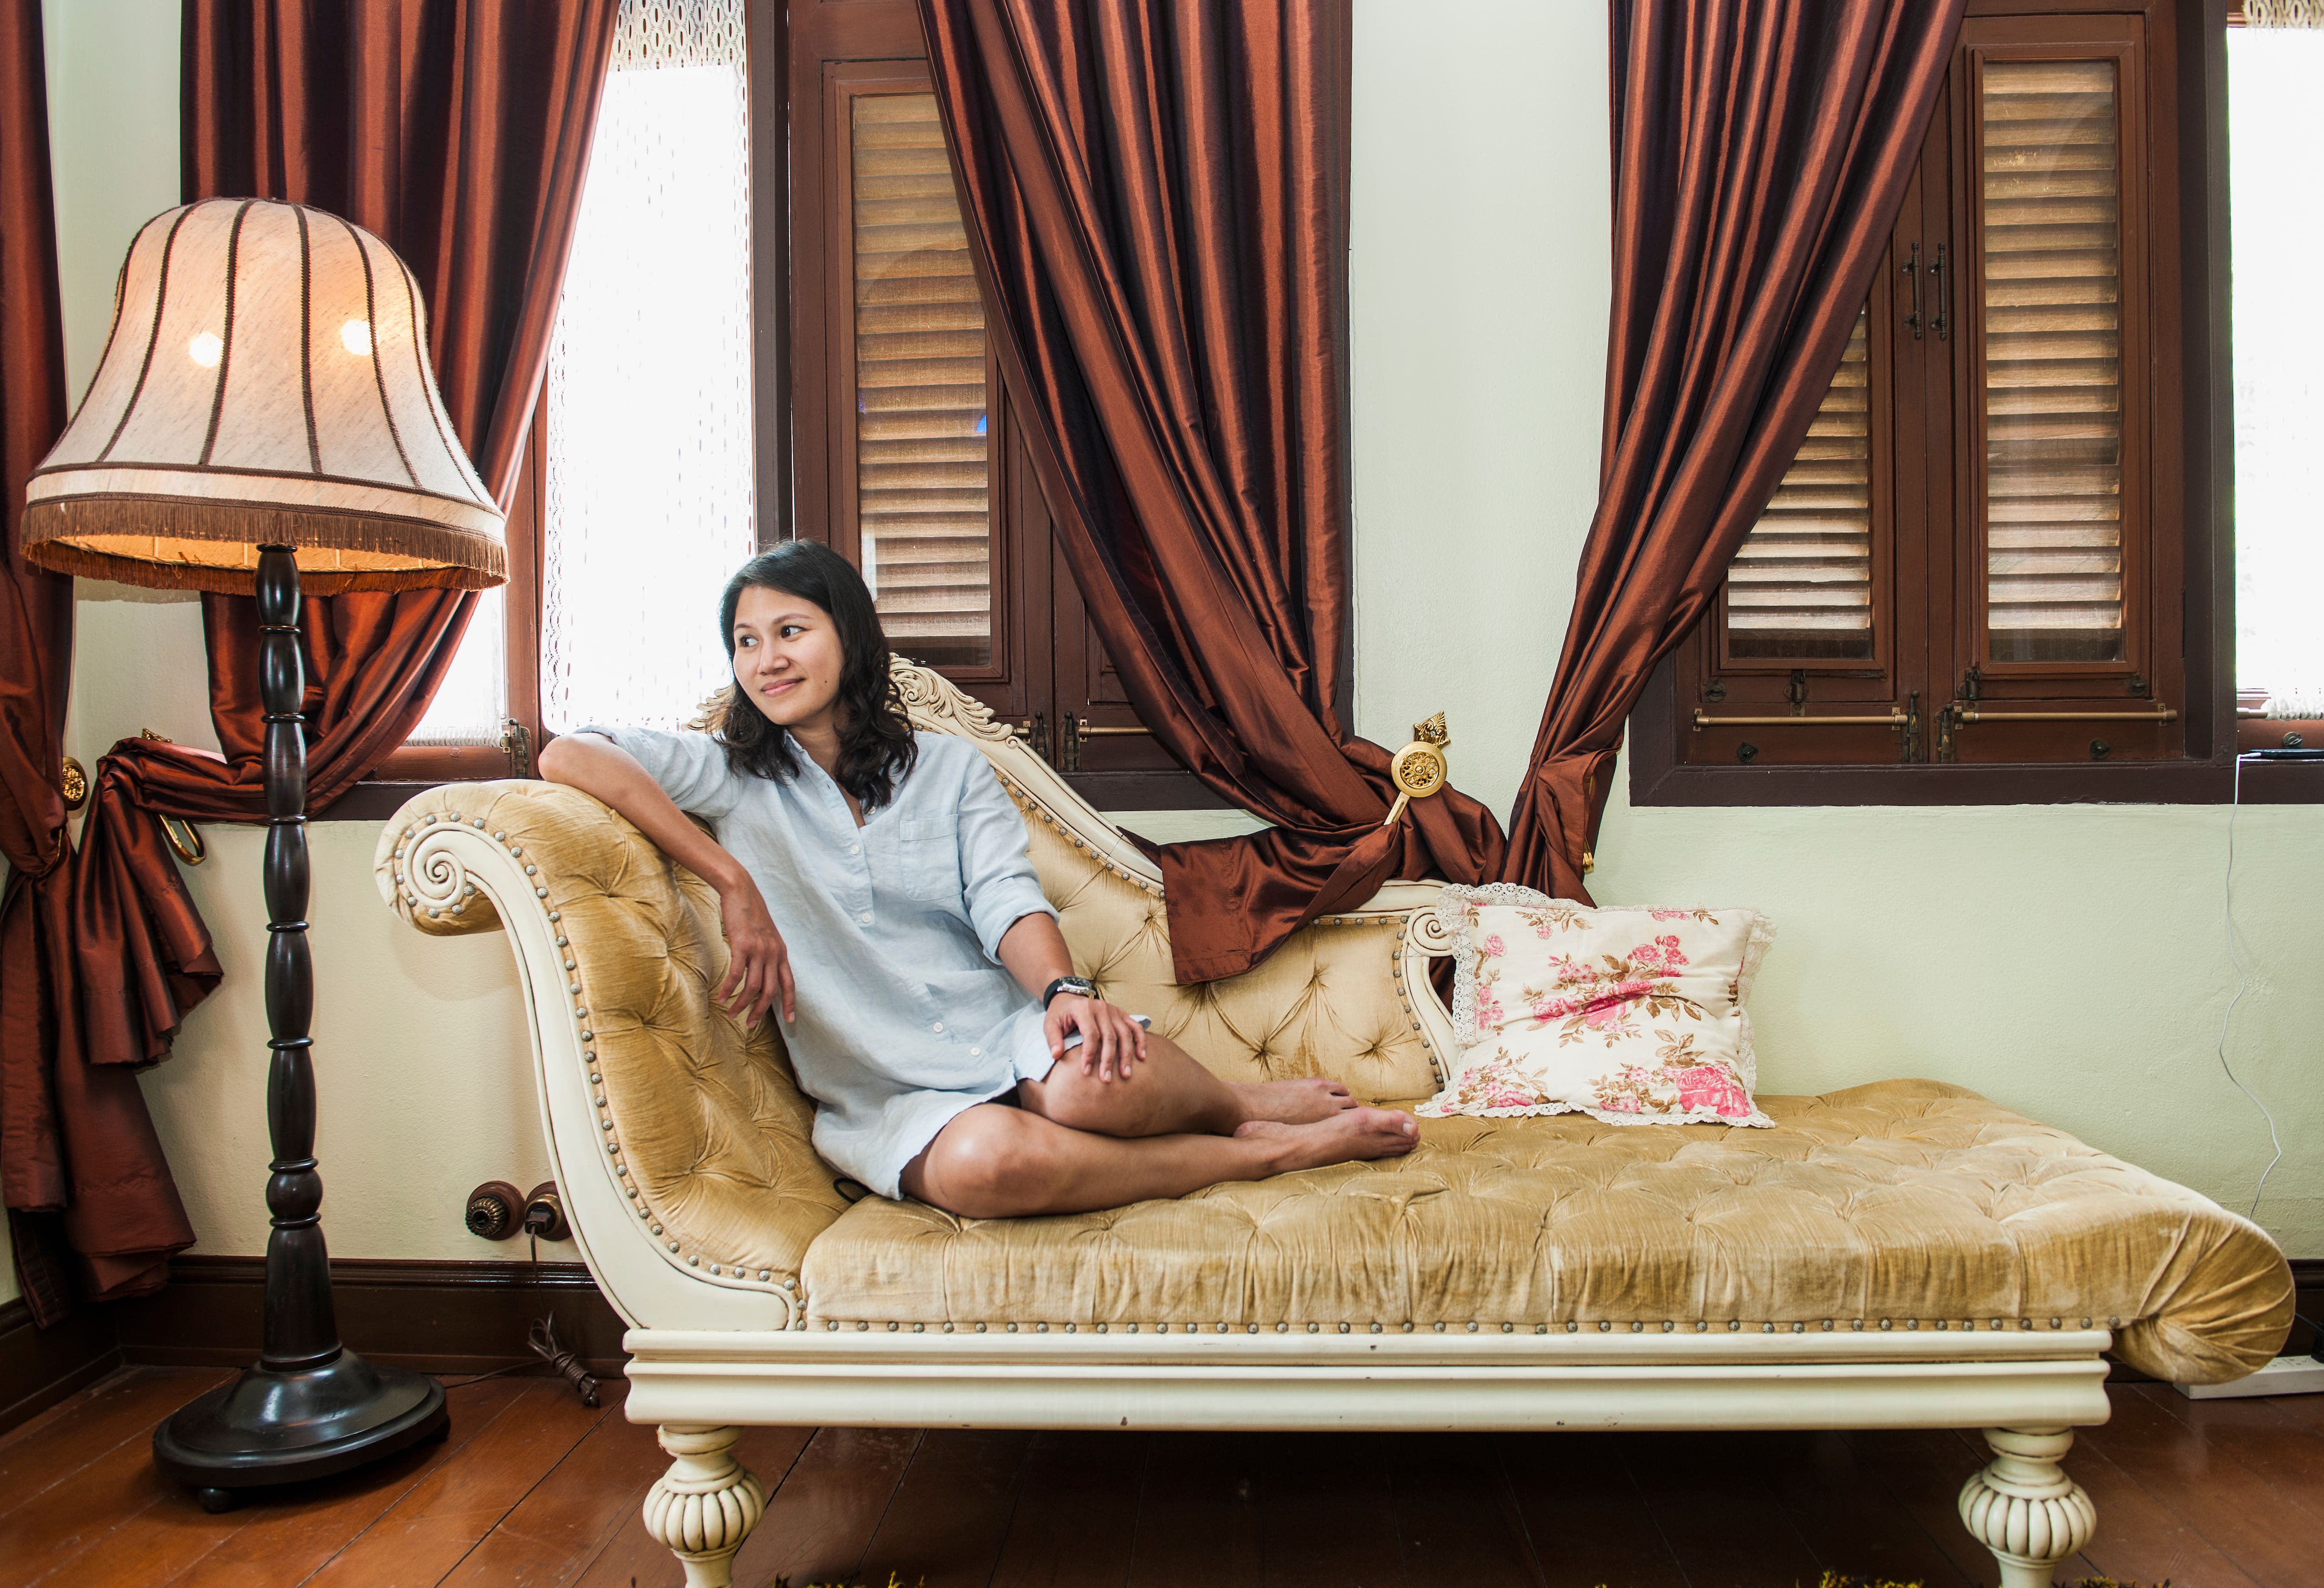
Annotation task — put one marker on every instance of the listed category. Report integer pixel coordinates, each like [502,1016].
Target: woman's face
[786,657]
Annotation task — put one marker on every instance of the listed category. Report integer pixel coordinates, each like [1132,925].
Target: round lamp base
[270,1427]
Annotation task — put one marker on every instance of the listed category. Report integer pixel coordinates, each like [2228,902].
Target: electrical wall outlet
[2286,1375]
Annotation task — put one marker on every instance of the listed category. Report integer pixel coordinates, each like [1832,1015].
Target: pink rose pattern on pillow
[1633,1016]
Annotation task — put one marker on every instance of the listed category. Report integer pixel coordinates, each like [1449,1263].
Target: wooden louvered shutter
[2050,279]
[922,418]
[1975,556]
[1802,585]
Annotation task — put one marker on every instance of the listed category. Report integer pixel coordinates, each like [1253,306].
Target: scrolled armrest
[698,1135]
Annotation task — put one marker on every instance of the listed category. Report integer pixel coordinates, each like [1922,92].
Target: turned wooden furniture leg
[705,1505]
[2024,1509]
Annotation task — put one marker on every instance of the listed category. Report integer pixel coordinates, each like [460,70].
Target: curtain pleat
[1761,149]
[82,1170]
[1156,192]
[459,132]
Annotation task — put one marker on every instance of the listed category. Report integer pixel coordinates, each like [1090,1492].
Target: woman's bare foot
[1294,1103]
[1344,1137]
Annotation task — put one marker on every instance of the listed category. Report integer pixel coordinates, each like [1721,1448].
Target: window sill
[376,800]
[2153,782]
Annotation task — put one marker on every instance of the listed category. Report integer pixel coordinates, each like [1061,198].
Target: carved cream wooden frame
[714,1352]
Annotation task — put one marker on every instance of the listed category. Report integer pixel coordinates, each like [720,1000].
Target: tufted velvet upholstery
[1912,1201]
[1324,1004]
[1909,1201]
[713,1129]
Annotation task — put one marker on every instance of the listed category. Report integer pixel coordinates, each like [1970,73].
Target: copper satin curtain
[458,131]
[81,1170]
[1157,193]
[1761,149]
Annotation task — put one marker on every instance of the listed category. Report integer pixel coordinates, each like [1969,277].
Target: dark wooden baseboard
[39,1367]
[454,1318]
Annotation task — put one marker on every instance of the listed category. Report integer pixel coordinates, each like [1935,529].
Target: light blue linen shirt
[905,1016]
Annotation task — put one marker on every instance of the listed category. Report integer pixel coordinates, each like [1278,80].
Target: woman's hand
[759,970]
[1111,1039]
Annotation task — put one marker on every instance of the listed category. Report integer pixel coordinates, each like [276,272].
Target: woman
[934,1016]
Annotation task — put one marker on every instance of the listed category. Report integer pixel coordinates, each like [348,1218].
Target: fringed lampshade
[266,382]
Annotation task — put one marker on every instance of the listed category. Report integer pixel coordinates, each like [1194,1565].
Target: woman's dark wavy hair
[876,747]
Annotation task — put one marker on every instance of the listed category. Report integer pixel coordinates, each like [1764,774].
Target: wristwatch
[1079,986]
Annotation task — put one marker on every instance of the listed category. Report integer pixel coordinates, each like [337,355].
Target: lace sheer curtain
[2276,202]
[647,507]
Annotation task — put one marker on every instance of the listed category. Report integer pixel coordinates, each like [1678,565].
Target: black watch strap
[1080,986]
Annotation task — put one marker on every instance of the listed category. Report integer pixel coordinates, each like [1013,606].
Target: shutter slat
[2050,284]
[1802,583]
[923,499]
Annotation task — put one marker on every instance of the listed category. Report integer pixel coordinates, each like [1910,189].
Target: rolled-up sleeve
[690,768]
[997,877]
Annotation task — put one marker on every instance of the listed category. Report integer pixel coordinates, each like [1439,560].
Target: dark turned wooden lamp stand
[311,1408]
[186,456]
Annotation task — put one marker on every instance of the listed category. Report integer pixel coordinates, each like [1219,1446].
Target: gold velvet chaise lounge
[1903,1254]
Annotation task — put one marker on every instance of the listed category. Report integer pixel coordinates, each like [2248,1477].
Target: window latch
[1035,731]
[516,744]
[1941,279]
[1069,742]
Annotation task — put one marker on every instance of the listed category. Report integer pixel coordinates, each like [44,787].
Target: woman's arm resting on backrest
[760,971]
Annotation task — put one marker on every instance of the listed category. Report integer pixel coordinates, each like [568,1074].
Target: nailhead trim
[1572,1325]
[581,1017]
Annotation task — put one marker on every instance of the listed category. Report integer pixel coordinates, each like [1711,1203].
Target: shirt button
[940,1026]
[865,918]
[976,1053]
[855,849]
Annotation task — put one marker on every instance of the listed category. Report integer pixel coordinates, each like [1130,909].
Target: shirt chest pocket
[928,859]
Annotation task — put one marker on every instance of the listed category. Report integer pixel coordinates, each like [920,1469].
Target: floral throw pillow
[1630,1015]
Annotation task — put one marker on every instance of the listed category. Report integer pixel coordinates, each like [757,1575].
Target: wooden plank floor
[533,1489]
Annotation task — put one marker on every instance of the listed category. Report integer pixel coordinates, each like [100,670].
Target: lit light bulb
[205,349]
[357,336]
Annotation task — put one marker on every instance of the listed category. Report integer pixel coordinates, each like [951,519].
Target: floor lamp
[265,417]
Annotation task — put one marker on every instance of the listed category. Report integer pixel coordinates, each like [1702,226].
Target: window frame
[2187,42]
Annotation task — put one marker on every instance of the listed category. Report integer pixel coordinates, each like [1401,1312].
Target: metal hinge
[516,744]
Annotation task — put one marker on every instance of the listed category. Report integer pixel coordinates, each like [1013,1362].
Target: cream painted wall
[2068,961]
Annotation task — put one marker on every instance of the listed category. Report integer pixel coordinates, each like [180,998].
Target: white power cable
[2243,983]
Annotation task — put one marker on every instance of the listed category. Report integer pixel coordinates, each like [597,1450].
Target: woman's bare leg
[993,1161]
[1168,1091]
